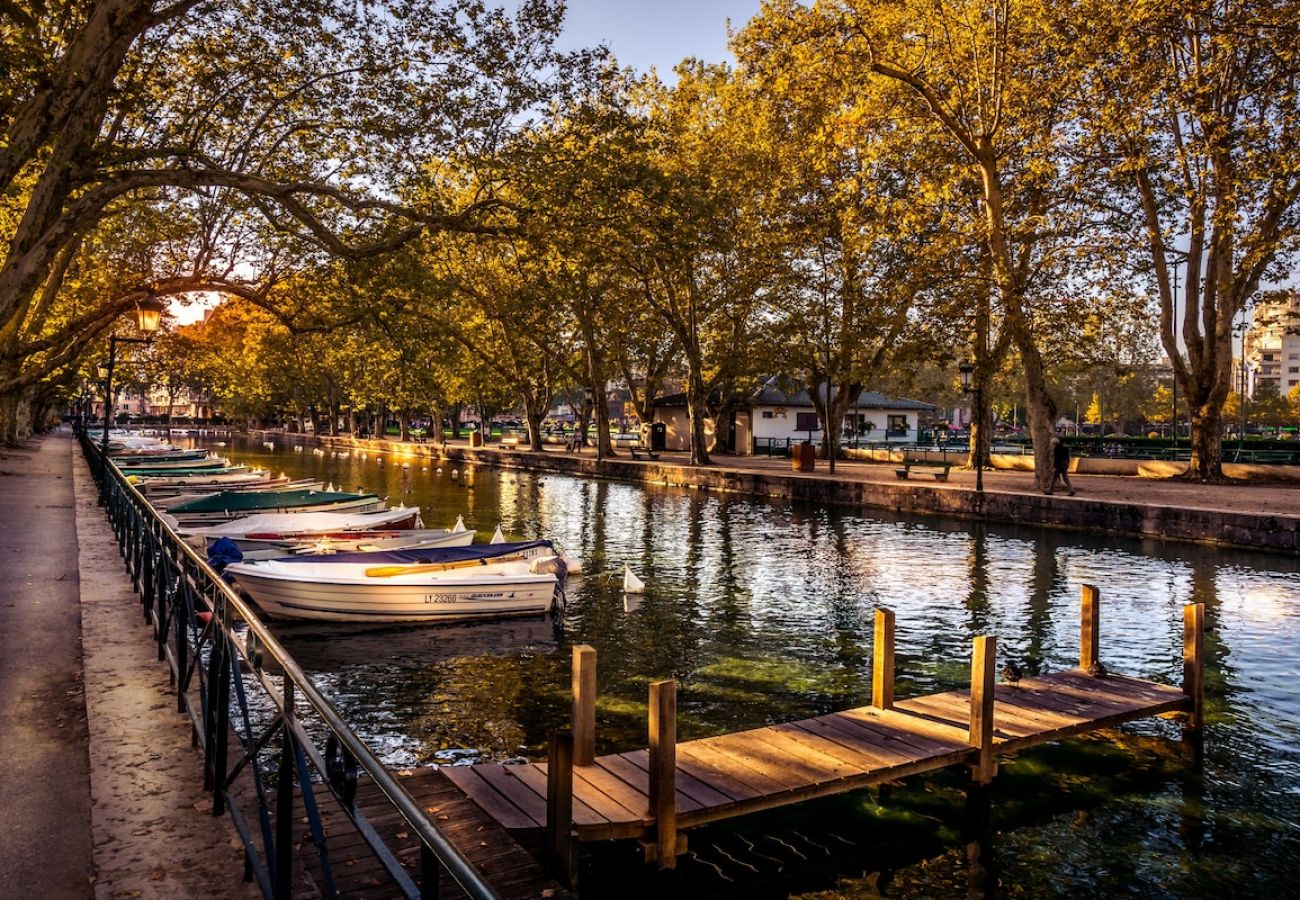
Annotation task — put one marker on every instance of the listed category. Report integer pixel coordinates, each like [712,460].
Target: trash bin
[655,436]
[803,457]
[476,439]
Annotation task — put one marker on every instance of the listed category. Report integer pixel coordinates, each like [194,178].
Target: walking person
[1060,466]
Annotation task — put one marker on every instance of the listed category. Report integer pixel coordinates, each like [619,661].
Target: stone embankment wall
[1225,528]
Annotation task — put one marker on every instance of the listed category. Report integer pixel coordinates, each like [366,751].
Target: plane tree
[299,125]
[1196,116]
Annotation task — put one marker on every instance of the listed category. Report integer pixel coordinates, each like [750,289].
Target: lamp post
[148,315]
[967,370]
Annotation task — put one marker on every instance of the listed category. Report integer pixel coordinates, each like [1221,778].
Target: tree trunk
[1207,443]
[404,423]
[534,420]
[696,407]
[15,417]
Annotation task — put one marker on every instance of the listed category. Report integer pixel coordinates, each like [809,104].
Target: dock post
[882,661]
[983,661]
[584,705]
[663,771]
[561,847]
[1194,662]
[1089,627]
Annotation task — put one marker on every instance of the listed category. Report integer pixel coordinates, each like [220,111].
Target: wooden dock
[356,872]
[651,794]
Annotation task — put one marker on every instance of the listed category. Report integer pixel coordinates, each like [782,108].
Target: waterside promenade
[101,789]
[1256,516]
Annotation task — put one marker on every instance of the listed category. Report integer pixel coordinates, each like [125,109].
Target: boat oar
[417,568]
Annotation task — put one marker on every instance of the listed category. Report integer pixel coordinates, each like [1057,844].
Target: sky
[656,33]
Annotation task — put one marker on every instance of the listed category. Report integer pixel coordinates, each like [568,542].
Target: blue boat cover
[223,552]
[425,556]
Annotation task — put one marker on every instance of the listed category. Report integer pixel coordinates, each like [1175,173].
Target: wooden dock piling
[882,661]
[1194,663]
[1090,627]
[663,771]
[982,665]
[584,704]
[561,846]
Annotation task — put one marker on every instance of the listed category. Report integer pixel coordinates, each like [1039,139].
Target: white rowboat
[342,592]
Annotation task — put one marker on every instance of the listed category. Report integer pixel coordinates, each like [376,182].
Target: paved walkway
[45,839]
[102,792]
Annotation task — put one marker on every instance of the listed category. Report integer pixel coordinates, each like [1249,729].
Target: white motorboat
[490,580]
[302,525]
[352,542]
[214,508]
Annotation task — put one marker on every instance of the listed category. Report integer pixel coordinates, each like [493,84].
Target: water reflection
[763,611]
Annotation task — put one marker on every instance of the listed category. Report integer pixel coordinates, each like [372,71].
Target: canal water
[763,612]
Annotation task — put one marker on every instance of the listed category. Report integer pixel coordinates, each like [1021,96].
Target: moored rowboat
[338,588]
[229,505]
[291,526]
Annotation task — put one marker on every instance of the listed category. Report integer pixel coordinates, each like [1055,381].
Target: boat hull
[433,600]
[216,517]
[345,542]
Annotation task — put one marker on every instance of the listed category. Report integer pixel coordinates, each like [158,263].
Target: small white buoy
[330,487]
[632,584]
[297,449]
[455,473]
[497,537]
[439,470]
[221,443]
[406,465]
[460,522]
[424,468]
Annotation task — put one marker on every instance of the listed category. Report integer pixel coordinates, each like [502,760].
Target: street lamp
[148,316]
[967,370]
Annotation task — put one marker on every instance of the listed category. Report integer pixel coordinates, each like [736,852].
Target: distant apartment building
[155,402]
[1271,346]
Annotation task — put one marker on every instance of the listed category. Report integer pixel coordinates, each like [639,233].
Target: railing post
[560,844]
[219,720]
[882,661]
[584,705]
[663,771]
[284,801]
[983,661]
[1089,627]
[1194,662]
[430,873]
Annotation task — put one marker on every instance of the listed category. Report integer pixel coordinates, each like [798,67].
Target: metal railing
[216,671]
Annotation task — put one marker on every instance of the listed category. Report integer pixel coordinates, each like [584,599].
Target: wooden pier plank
[470,779]
[524,798]
[692,793]
[534,776]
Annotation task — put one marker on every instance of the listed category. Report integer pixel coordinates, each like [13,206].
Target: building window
[897,426]
[767,414]
[1293,370]
[806,422]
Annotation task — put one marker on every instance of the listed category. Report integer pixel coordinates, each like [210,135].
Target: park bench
[640,451]
[938,469]
[510,442]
